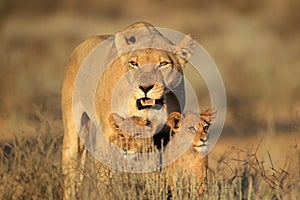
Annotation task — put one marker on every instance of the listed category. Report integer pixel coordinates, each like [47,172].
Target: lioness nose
[146,88]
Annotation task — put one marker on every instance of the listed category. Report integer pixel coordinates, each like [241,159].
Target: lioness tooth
[148,102]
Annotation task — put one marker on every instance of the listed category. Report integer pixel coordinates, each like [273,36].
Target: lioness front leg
[74,155]
[69,164]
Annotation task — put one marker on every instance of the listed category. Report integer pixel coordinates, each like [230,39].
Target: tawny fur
[74,152]
[129,132]
[195,160]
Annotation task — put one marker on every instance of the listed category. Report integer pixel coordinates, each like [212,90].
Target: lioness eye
[134,64]
[163,63]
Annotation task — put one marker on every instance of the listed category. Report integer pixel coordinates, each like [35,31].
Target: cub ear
[122,41]
[139,121]
[174,120]
[185,48]
[208,115]
[115,120]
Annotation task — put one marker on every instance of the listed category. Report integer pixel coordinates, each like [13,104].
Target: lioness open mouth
[146,102]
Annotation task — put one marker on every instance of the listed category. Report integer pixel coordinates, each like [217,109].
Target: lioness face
[152,74]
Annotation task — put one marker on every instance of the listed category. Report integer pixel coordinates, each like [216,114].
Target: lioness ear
[174,120]
[115,120]
[122,41]
[185,48]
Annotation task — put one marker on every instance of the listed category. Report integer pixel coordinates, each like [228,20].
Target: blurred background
[255,44]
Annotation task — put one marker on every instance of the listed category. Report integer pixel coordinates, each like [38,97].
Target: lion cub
[133,134]
[190,130]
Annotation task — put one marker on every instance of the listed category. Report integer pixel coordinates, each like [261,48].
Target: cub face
[133,134]
[193,124]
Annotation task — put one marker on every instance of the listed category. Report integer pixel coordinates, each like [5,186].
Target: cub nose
[146,88]
[204,140]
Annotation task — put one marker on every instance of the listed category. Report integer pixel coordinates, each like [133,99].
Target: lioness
[144,81]
[190,127]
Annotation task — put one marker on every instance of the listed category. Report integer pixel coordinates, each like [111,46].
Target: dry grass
[30,168]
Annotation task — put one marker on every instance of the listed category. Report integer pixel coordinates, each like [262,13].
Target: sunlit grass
[30,168]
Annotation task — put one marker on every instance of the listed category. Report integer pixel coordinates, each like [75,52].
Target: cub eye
[121,135]
[205,128]
[133,64]
[164,64]
[137,135]
[191,128]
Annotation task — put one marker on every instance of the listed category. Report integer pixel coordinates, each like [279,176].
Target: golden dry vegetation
[254,43]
